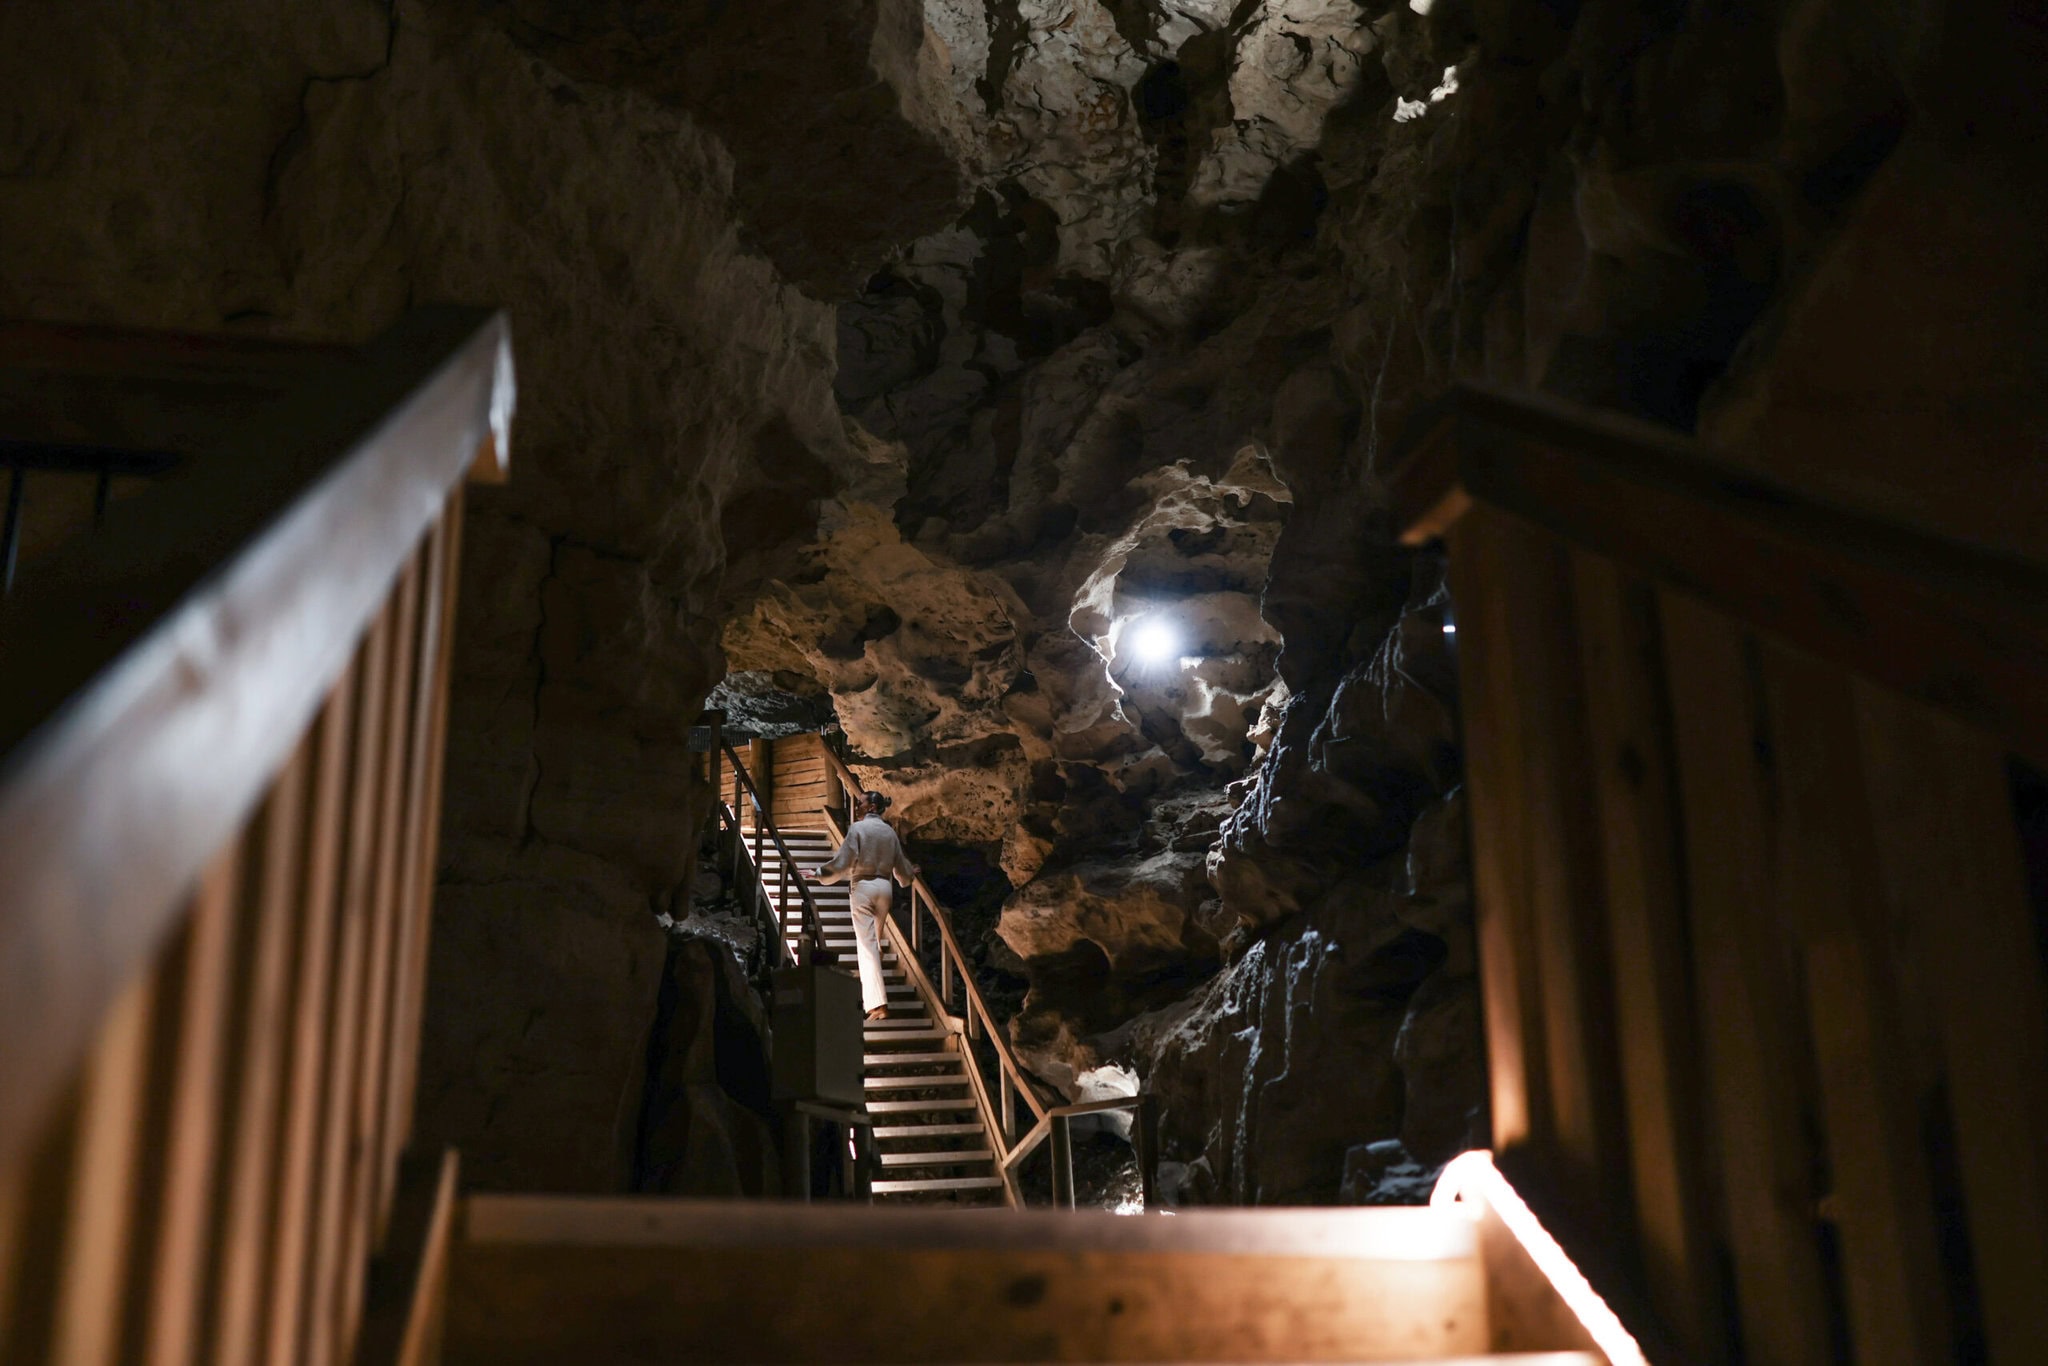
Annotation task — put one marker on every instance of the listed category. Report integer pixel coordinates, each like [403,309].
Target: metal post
[1062,1162]
[862,1184]
[1147,1136]
[717,755]
[10,535]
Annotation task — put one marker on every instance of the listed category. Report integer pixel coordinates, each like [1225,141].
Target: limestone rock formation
[922,354]
[1216,255]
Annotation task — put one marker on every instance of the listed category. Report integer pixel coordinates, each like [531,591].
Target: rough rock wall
[310,171]
[1212,254]
[1217,253]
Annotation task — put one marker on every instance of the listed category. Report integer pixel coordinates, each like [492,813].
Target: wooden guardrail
[220,774]
[1766,1015]
[978,1028]
[764,828]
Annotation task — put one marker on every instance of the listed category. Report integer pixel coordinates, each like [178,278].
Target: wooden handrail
[1054,1126]
[978,1022]
[221,746]
[729,818]
[162,674]
[1957,626]
[813,930]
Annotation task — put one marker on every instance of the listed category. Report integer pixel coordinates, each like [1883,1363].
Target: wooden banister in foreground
[221,736]
[1765,1005]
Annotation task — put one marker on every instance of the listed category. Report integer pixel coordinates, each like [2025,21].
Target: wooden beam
[1753,1031]
[1583,1148]
[1518,1082]
[174,1267]
[259,1032]
[1953,876]
[93,1295]
[407,1295]
[1827,891]
[300,1132]
[1641,855]
[544,1279]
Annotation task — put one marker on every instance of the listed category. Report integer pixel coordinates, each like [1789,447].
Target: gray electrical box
[818,1035]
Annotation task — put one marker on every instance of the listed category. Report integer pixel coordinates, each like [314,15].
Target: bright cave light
[1154,643]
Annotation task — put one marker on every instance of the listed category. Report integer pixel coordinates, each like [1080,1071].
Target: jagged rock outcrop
[1229,248]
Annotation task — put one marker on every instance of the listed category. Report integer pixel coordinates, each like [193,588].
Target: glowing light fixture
[1470,1181]
[1154,642]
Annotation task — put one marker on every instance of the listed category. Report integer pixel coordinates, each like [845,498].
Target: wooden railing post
[1009,1104]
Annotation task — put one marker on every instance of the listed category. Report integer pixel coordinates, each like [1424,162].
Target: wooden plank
[40,1214]
[436,770]
[372,1179]
[112,808]
[175,1266]
[331,1277]
[92,1296]
[246,1181]
[407,1298]
[1641,855]
[415,828]
[313,988]
[1953,875]
[1881,1197]
[1584,1149]
[539,1279]
[1517,1079]
[1753,1031]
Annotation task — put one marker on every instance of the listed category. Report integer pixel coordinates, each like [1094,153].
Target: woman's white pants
[869,900]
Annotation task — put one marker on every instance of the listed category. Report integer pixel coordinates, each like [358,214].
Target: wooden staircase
[932,1141]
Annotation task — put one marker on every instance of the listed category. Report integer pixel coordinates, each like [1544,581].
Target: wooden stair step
[906,1107]
[912,1185]
[929,1082]
[543,1280]
[924,1131]
[875,1033]
[907,1059]
[957,1157]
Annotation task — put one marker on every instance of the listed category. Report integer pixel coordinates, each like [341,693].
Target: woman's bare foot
[878,1013]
